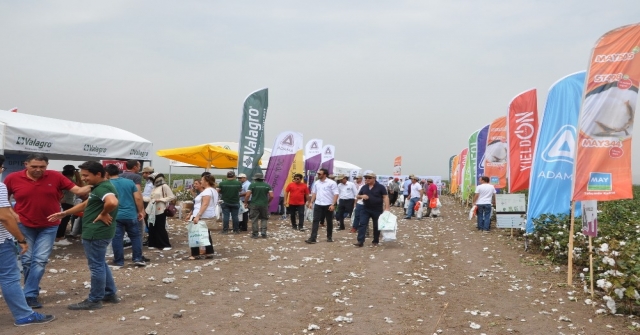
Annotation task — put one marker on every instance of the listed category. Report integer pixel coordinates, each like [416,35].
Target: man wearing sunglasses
[295,196]
[323,199]
[376,200]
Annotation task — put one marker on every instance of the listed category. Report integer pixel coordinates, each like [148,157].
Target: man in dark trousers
[376,200]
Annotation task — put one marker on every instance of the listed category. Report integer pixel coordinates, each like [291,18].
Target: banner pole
[570,251]
[591,264]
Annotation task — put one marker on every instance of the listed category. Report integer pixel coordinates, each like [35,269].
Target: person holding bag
[204,210]
[160,198]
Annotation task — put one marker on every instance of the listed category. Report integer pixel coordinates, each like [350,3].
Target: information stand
[510,211]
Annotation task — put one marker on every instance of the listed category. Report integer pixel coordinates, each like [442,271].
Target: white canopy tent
[68,140]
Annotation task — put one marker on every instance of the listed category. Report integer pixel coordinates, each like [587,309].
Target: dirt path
[440,276]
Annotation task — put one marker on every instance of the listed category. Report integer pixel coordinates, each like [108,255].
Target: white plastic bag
[388,235]
[387,221]
[472,212]
[400,200]
[439,204]
[435,212]
[308,214]
[420,211]
[218,215]
[198,234]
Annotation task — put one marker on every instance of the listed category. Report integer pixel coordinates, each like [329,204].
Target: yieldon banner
[328,154]
[522,128]
[481,145]
[285,149]
[251,144]
[454,174]
[470,167]
[554,154]
[495,154]
[603,151]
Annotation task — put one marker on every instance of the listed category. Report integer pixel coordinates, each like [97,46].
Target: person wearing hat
[229,191]
[359,204]
[416,192]
[375,202]
[245,186]
[66,202]
[261,195]
[346,199]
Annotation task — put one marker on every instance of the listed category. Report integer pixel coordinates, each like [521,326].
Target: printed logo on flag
[495,180]
[248,162]
[561,147]
[328,151]
[599,181]
[288,140]
[314,145]
[481,163]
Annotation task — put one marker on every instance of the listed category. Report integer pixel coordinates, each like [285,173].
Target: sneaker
[359,245]
[145,259]
[301,229]
[85,305]
[353,230]
[34,318]
[113,299]
[375,244]
[255,236]
[33,302]
[264,235]
[62,243]
[329,240]
[310,241]
[139,263]
[108,256]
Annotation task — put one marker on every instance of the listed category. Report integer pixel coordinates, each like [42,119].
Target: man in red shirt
[432,192]
[296,195]
[37,193]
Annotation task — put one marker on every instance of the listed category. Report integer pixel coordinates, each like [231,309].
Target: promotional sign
[451,167]
[481,145]
[298,160]
[554,154]
[470,167]
[454,174]
[522,129]
[397,166]
[328,155]
[590,218]
[284,150]
[13,163]
[313,154]
[495,155]
[461,165]
[603,156]
[122,165]
[251,144]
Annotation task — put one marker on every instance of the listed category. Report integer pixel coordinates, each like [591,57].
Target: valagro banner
[328,154]
[313,154]
[522,129]
[251,144]
[470,170]
[495,155]
[284,150]
[397,166]
[603,154]
[552,170]
[481,145]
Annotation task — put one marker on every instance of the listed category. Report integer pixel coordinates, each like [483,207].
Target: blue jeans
[233,210]
[10,281]
[412,203]
[40,241]
[102,283]
[132,227]
[365,214]
[356,216]
[484,217]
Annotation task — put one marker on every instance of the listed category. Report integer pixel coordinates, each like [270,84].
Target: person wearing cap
[261,195]
[346,198]
[415,194]
[432,193]
[245,186]
[375,202]
[37,193]
[359,203]
[66,202]
[229,191]
[324,196]
[296,195]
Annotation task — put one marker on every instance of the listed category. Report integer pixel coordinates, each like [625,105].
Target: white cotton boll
[619,292]
[611,304]
[474,325]
[604,247]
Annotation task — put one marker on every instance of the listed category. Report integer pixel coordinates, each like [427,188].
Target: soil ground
[440,276]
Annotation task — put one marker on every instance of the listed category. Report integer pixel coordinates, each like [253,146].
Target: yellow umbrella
[204,155]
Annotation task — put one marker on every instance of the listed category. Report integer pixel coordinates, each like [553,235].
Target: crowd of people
[104,204]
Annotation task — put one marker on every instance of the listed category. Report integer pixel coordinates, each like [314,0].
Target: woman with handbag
[204,210]
[158,209]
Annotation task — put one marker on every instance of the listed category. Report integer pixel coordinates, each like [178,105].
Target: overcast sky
[377,79]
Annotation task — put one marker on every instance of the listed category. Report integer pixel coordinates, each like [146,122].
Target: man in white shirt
[416,194]
[359,203]
[348,192]
[245,187]
[324,196]
[484,197]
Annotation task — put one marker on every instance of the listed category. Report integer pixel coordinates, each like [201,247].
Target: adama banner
[284,150]
[251,144]
[495,154]
[521,136]
[397,166]
[603,153]
[328,154]
[313,154]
